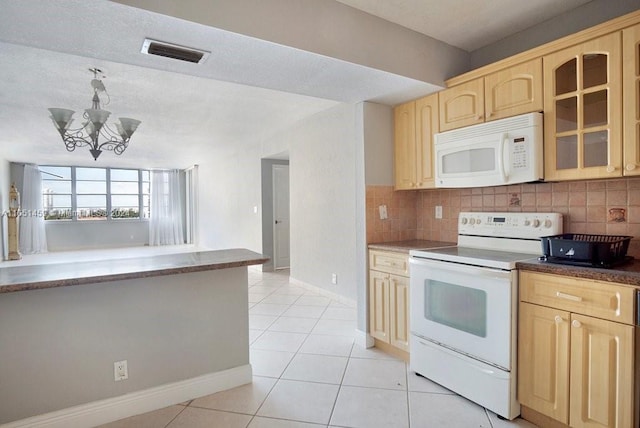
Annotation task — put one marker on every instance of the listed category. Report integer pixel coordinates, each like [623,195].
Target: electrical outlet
[438,211]
[334,278]
[120,370]
[382,209]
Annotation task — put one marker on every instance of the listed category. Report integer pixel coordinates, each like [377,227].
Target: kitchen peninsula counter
[179,320]
[34,277]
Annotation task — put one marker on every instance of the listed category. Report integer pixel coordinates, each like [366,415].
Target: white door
[280,175]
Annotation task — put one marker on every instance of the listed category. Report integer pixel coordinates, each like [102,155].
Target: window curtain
[165,224]
[191,205]
[32,235]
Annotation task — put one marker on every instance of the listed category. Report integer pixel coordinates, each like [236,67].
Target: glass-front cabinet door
[582,107]
[631,99]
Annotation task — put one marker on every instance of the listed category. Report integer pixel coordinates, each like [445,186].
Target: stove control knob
[527,222]
[478,221]
[536,223]
[463,220]
[472,221]
[547,223]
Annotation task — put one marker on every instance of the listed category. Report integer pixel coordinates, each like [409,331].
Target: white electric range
[463,311]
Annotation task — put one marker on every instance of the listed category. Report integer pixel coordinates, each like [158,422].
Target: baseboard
[135,403]
[335,296]
[364,339]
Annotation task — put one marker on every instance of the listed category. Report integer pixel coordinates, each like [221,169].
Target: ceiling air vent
[168,50]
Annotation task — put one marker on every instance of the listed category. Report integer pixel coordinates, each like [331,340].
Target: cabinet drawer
[389,262]
[583,296]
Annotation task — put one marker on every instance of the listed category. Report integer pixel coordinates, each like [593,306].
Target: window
[79,193]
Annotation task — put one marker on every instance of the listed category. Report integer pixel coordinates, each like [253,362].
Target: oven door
[465,308]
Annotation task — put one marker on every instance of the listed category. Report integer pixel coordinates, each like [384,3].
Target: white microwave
[505,151]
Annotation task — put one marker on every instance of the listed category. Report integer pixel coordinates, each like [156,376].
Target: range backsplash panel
[590,206]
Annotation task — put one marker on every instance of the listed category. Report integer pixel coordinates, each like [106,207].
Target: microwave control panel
[519,152]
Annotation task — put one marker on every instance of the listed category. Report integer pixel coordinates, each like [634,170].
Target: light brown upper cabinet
[404,138]
[631,99]
[415,124]
[582,102]
[462,105]
[513,91]
[509,92]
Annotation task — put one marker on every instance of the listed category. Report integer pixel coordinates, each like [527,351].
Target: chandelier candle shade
[95,126]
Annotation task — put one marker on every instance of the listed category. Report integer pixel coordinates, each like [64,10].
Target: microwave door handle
[501,162]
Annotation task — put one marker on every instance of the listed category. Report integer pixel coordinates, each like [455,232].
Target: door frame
[266,211]
[275,193]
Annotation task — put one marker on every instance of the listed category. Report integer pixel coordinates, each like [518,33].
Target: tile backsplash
[596,207]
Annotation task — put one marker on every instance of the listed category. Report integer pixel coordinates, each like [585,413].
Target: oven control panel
[510,225]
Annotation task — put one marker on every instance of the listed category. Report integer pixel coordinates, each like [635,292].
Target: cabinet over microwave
[505,151]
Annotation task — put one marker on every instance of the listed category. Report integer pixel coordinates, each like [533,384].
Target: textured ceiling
[246,90]
[467,24]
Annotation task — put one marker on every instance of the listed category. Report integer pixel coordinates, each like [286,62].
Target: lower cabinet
[576,369]
[389,298]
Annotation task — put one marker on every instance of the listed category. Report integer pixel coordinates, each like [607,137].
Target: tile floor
[308,373]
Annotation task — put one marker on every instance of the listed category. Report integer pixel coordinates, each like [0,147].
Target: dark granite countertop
[35,277]
[628,273]
[406,246]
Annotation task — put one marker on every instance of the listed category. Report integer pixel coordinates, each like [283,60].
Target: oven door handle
[415,262]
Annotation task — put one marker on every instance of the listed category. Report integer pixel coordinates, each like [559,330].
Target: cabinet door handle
[611,168]
[558,319]
[631,166]
[568,297]
[576,323]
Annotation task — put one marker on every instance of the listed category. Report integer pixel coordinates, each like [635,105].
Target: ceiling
[248,89]
[466,24]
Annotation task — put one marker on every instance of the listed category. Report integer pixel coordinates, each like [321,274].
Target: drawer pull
[576,323]
[568,297]
[558,319]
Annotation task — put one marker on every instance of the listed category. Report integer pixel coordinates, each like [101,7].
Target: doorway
[281,253]
[275,206]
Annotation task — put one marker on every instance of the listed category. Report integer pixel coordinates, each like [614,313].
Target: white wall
[323,157]
[95,234]
[229,189]
[323,199]
[330,154]
[59,344]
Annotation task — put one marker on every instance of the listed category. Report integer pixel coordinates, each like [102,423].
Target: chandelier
[95,125]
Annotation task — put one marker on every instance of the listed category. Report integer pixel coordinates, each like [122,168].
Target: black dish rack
[604,251]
